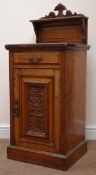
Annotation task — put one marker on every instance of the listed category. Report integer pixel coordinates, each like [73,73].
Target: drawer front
[37,58]
[61,34]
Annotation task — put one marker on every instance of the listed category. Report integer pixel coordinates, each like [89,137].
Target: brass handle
[16,109]
[35,60]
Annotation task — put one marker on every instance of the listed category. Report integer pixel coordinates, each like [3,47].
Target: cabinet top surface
[42,20]
[48,46]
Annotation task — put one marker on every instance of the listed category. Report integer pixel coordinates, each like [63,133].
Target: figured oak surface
[49,127]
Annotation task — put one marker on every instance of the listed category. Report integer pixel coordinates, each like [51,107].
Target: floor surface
[85,166]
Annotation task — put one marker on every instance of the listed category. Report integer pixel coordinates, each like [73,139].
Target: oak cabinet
[48,92]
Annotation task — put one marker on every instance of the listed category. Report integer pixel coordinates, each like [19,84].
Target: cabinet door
[37,109]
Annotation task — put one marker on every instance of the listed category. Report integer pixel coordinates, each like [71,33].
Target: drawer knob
[35,60]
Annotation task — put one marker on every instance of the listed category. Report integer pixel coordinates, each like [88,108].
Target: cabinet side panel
[75,95]
[11,80]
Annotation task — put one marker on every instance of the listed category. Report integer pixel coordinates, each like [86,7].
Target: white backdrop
[15,28]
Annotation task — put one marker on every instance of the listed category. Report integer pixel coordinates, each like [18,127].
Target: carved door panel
[37,109]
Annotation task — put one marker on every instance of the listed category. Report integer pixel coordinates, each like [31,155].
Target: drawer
[37,58]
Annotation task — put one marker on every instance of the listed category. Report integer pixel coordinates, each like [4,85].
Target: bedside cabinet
[47,92]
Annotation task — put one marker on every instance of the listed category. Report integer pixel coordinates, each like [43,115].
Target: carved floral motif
[36,105]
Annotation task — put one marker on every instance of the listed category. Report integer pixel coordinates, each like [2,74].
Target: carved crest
[62,12]
[60,8]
